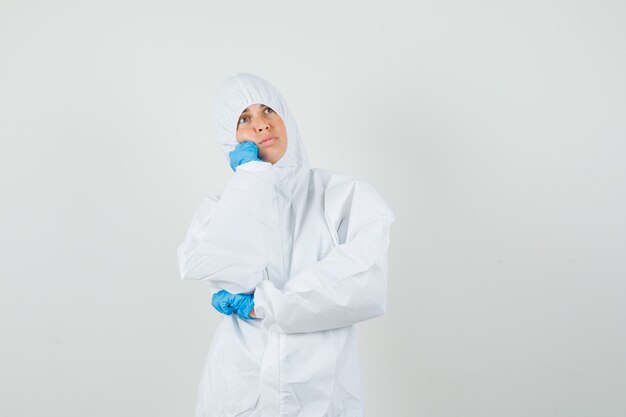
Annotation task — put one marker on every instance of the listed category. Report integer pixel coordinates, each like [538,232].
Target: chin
[267,157]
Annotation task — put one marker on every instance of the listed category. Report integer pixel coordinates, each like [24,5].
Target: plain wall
[495,130]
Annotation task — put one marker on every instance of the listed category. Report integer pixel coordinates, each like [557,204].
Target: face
[263,126]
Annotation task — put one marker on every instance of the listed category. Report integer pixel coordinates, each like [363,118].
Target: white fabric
[312,245]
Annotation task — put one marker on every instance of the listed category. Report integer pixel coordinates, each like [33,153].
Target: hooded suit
[312,246]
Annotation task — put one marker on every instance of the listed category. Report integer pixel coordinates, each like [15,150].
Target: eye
[269,110]
[240,120]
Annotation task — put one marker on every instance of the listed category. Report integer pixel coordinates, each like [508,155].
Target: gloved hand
[227,303]
[244,152]
[221,301]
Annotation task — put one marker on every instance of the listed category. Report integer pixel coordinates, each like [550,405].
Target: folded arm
[348,286]
[221,245]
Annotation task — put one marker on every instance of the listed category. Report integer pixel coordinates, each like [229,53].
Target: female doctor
[295,257]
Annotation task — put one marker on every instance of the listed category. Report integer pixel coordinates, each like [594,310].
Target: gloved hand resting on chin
[227,303]
[244,152]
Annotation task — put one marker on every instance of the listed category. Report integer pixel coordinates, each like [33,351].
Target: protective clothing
[244,152]
[227,303]
[312,245]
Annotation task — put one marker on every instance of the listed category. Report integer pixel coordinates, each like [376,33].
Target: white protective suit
[312,245]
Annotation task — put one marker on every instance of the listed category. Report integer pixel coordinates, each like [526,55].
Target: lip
[268,141]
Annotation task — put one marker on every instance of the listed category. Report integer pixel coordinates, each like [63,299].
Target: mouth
[268,141]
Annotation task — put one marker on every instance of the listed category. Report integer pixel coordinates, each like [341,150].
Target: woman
[296,257]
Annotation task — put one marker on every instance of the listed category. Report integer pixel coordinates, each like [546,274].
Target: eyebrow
[246,110]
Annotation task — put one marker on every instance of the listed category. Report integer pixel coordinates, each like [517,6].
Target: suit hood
[238,91]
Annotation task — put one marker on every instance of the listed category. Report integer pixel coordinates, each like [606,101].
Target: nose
[261,124]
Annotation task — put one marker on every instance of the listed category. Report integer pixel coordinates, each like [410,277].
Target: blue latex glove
[244,152]
[221,300]
[227,303]
[243,305]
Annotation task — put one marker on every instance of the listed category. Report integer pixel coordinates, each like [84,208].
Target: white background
[495,130]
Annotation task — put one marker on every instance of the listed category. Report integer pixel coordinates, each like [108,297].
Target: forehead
[252,107]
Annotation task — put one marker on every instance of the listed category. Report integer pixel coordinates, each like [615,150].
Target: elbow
[183,264]
[184,273]
[381,308]
[378,302]
[184,276]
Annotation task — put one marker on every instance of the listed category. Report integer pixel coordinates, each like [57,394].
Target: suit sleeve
[222,245]
[347,286]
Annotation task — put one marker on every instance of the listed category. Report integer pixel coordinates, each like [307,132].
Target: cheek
[282,126]
[240,135]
